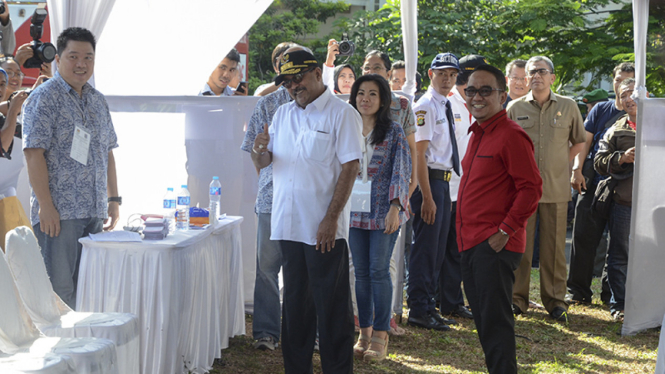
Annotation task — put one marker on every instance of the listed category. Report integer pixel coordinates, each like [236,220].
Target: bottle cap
[184,186]
[170,189]
[215,178]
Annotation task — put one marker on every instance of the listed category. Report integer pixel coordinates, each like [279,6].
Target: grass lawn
[590,343]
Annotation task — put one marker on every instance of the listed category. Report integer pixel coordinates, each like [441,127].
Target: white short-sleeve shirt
[463,120]
[308,148]
[432,126]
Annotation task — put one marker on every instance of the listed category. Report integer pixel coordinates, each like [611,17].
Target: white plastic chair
[53,317]
[20,340]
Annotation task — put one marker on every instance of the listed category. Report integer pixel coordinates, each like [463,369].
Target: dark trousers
[587,233]
[428,249]
[617,254]
[450,277]
[316,295]
[488,282]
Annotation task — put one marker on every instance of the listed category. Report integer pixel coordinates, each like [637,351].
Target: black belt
[443,175]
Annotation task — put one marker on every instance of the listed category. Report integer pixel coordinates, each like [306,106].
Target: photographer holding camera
[11,163]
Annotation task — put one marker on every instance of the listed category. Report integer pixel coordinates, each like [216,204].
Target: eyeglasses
[12,74]
[483,91]
[297,78]
[374,68]
[514,78]
[542,72]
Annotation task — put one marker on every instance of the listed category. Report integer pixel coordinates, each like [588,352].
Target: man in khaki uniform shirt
[553,122]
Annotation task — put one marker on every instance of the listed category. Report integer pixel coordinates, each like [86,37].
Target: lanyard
[77,104]
[366,157]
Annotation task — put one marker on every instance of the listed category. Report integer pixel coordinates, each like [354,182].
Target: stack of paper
[156,229]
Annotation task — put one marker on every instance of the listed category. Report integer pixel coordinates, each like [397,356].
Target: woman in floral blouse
[386,164]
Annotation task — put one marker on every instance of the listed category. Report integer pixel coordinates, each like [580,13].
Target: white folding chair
[24,363]
[20,339]
[53,317]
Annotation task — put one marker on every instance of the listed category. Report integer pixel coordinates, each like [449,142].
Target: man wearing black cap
[451,299]
[437,157]
[314,144]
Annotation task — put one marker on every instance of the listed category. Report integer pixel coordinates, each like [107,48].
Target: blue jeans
[62,254]
[371,251]
[617,254]
[267,309]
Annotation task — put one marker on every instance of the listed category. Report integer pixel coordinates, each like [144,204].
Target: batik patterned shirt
[389,170]
[263,112]
[50,117]
[402,113]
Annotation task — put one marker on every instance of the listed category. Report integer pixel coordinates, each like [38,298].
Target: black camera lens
[46,52]
[344,47]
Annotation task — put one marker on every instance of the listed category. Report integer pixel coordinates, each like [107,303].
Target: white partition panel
[645,293]
[167,141]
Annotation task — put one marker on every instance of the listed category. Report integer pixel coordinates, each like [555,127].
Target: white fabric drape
[410,41]
[644,292]
[640,27]
[185,289]
[172,46]
[89,14]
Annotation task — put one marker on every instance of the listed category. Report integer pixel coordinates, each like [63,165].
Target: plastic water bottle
[215,195]
[169,208]
[182,204]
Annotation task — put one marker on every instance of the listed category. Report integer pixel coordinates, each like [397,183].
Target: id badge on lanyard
[361,196]
[80,145]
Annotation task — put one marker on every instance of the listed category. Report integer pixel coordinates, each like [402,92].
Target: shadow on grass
[588,344]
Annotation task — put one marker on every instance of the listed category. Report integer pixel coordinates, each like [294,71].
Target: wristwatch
[399,207]
[116,199]
[504,233]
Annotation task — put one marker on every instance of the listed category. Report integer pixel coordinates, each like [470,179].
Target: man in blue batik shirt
[68,141]
[266,323]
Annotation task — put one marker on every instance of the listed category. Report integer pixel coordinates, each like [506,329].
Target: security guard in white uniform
[437,158]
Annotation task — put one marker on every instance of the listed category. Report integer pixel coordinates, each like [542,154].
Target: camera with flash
[42,52]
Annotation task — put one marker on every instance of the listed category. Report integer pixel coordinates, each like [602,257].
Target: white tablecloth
[186,290]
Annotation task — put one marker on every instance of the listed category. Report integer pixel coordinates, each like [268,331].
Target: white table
[186,290]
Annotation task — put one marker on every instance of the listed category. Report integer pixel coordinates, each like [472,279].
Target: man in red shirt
[499,191]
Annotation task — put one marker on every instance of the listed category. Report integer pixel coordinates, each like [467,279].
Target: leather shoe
[462,311]
[427,322]
[517,310]
[572,299]
[442,319]
[560,314]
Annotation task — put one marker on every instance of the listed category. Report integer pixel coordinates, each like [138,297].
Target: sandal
[361,346]
[395,329]
[372,355]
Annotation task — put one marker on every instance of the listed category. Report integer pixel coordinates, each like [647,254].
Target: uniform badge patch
[420,117]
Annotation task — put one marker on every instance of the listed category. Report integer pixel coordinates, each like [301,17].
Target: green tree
[502,30]
[284,20]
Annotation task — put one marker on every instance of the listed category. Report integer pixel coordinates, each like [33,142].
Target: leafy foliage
[503,30]
[578,36]
[284,20]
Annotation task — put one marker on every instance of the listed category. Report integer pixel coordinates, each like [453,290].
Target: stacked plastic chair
[23,349]
[53,317]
